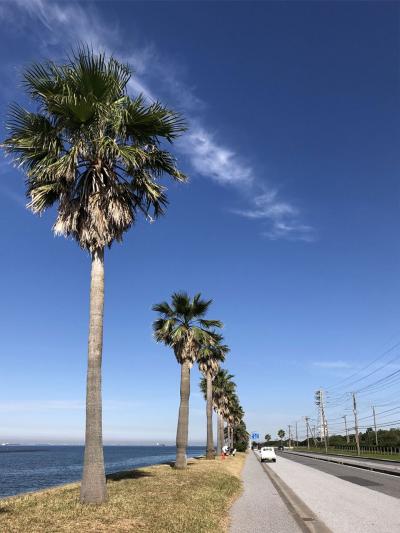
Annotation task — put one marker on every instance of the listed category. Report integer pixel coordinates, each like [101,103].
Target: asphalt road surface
[376,464]
[345,502]
[384,483]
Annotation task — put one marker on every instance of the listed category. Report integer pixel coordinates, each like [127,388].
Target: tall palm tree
[267,437]
[281,434]
[233,414]
[209,357]
[182,326]
[222,387]
[236,415]
[95,153]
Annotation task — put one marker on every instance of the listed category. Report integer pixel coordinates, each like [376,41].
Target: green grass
[349,453]
[152,500]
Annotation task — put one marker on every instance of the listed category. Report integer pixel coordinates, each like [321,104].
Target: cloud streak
[209,158]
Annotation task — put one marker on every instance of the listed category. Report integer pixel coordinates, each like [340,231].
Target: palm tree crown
[182,326]
[211,354]
[92,148]
[223,387]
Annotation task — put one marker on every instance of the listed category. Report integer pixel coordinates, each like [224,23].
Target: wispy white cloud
[268,205]
[291,231]
[212,160]
[68,23]
[338,364]
[283,218]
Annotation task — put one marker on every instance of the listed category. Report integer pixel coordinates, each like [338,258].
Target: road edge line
[305,518]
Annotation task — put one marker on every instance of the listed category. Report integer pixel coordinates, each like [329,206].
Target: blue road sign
[255,436]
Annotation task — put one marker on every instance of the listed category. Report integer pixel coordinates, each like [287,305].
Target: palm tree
[182,327]
[267,437]
[209,357]
[95,153]
[237,415]
[281,435]
[233,414]
[222,387]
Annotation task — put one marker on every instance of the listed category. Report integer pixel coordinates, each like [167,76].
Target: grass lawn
[153,499]
[388,457]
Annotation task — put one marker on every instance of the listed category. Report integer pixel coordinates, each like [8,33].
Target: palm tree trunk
[210,440]
[183,418]
[219,441]
[221,431]
[93,487]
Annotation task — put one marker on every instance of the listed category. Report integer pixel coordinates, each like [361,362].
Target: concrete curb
[343,460]
[305,518]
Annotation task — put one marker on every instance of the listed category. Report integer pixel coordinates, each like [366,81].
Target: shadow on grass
[137,474]
[191,462]
[4,510]
[128,474]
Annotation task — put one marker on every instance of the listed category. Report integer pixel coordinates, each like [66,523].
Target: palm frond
[144,123]
[92,149]
[211,323]
[33,138]
[188,333]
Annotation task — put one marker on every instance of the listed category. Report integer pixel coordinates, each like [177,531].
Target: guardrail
[384,450]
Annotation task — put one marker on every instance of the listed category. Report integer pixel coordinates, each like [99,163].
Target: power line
[381,356]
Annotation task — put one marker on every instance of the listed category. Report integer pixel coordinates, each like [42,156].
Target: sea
[31,468]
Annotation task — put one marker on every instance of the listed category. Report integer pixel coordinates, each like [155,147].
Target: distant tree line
[386,438]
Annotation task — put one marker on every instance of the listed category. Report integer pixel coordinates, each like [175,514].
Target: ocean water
[28,468]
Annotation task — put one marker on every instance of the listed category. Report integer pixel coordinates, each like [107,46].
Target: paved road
[384,483]
[260,509]
[375,464]
[341,504]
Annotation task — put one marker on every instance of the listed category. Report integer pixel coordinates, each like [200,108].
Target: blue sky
[290,220]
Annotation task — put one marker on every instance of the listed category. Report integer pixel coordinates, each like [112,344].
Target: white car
[267,454]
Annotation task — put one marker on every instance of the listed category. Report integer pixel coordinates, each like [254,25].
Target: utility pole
[308,440]
[290,440]
[376,433]
[356,423]
[326,432]
[297,438]
[319,400]
[346,430]
[312,432]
